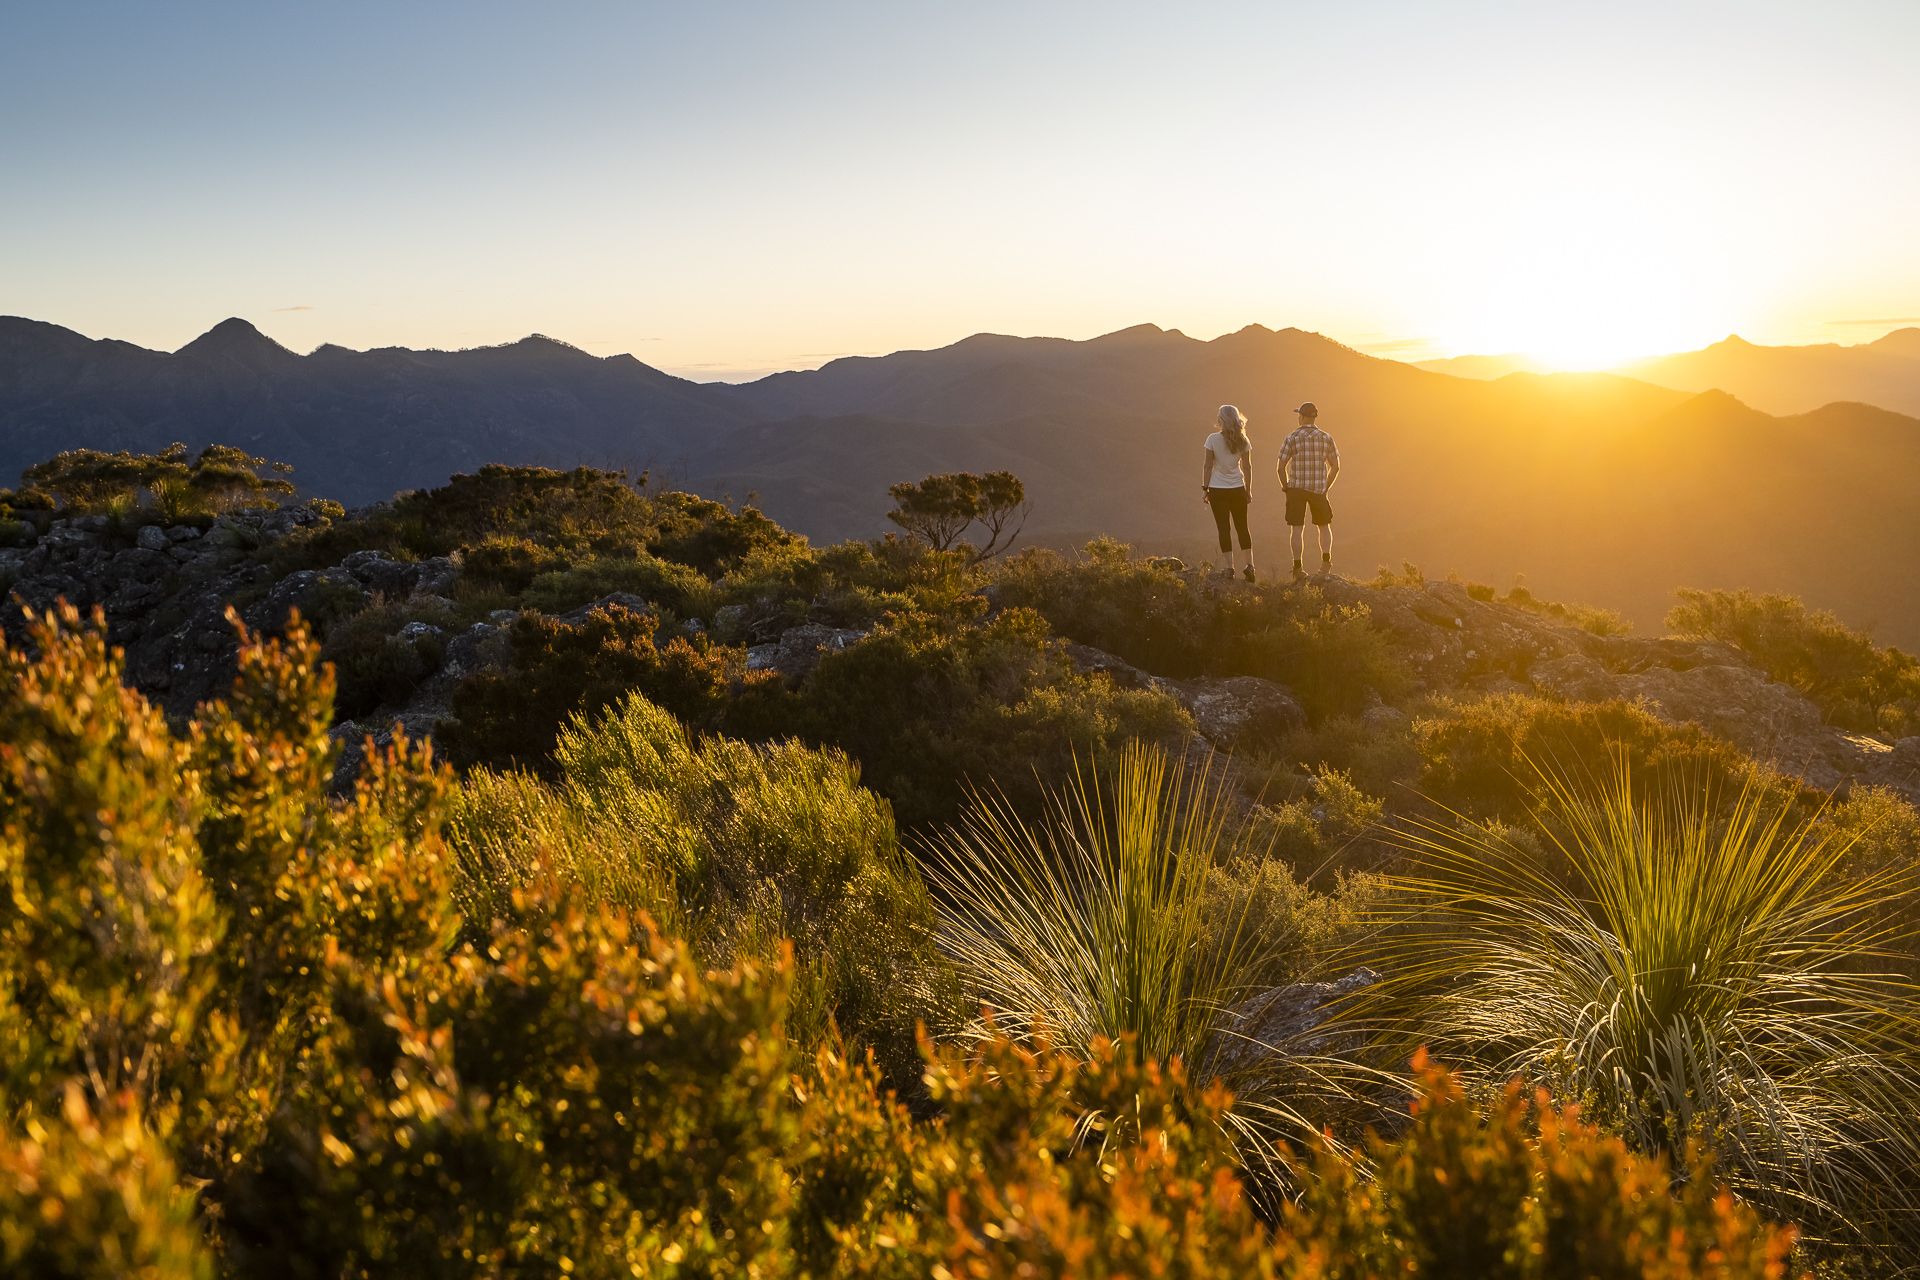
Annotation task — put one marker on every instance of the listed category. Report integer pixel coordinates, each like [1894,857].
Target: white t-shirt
[1226,463]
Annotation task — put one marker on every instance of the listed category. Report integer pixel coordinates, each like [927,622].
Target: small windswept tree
[941,508]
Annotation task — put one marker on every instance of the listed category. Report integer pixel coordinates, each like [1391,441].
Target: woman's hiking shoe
[1247,573]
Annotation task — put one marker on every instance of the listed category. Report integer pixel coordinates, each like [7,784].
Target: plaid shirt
[1304,458]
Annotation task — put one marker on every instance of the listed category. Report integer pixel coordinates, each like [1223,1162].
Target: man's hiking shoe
[1247,573]
[1326,565]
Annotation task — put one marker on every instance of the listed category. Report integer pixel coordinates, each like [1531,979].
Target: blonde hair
[1233,428]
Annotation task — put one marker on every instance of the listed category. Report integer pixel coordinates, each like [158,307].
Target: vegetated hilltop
[1592,487]
[643,986]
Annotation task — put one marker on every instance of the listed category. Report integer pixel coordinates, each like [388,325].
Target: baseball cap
[1309,408]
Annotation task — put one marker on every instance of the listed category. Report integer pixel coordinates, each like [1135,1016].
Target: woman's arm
[1206,468]
[1246,471]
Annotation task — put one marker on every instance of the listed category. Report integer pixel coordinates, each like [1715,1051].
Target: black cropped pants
[1230,509]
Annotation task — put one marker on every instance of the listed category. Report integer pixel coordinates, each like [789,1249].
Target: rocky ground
[165,591]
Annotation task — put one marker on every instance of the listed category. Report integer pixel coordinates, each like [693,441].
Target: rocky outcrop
[480,647]
[799,649]
[1455,643]
[165,590]
[1229,711]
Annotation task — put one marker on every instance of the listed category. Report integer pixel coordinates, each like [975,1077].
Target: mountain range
[1596,487]
[1885,372]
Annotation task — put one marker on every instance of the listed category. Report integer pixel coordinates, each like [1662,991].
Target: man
[1309,464]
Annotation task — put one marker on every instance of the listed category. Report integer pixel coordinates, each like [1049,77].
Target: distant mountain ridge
[1884,372]
[1780,380]
[1597,487]
[355,424]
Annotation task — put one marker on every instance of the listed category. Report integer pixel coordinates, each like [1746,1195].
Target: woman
[1226,478]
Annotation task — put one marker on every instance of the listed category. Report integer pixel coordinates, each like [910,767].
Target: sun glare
[1579,282]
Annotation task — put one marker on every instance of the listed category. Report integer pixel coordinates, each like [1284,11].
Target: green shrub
[218,479]
[1589,618]
[511,716]
[710,536]
[1380,761]
[739,847]
[374,666]
[1150,615]
[1299,934]
[927,706]
[523,521]
[506,565]
[1312,831]
[668,586]
[850,584]
[1333,658]
[1475,756]
[1858,684]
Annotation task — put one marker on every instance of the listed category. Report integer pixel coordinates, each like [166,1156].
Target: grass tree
[1095,923]
[1695,967]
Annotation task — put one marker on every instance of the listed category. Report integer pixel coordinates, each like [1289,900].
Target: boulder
[437,576]
[152,538]
[1229,711]
[1237,711]
[1088,659]
[799,649]
[381,574]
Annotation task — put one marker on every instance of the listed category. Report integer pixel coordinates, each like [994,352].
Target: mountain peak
[540,342]
[234,339]
[1902,341]
[1134,333]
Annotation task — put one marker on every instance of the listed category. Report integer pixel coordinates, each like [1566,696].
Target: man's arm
[1333,462]
[1286,453]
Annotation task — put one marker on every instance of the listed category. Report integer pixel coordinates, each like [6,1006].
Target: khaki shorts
[1298,500]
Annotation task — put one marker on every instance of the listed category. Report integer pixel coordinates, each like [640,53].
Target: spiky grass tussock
[1093,923]
[1691,967]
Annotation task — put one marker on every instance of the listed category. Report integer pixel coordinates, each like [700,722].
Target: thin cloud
[1862,324]
[1398,344]
[305,306]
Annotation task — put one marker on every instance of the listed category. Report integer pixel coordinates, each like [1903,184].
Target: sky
[724,189]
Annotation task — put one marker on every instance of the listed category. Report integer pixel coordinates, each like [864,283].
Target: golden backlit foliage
[251,1034]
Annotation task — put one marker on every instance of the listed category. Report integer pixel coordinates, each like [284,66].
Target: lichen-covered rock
[799,649]
[1229,711]
[1237,711]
